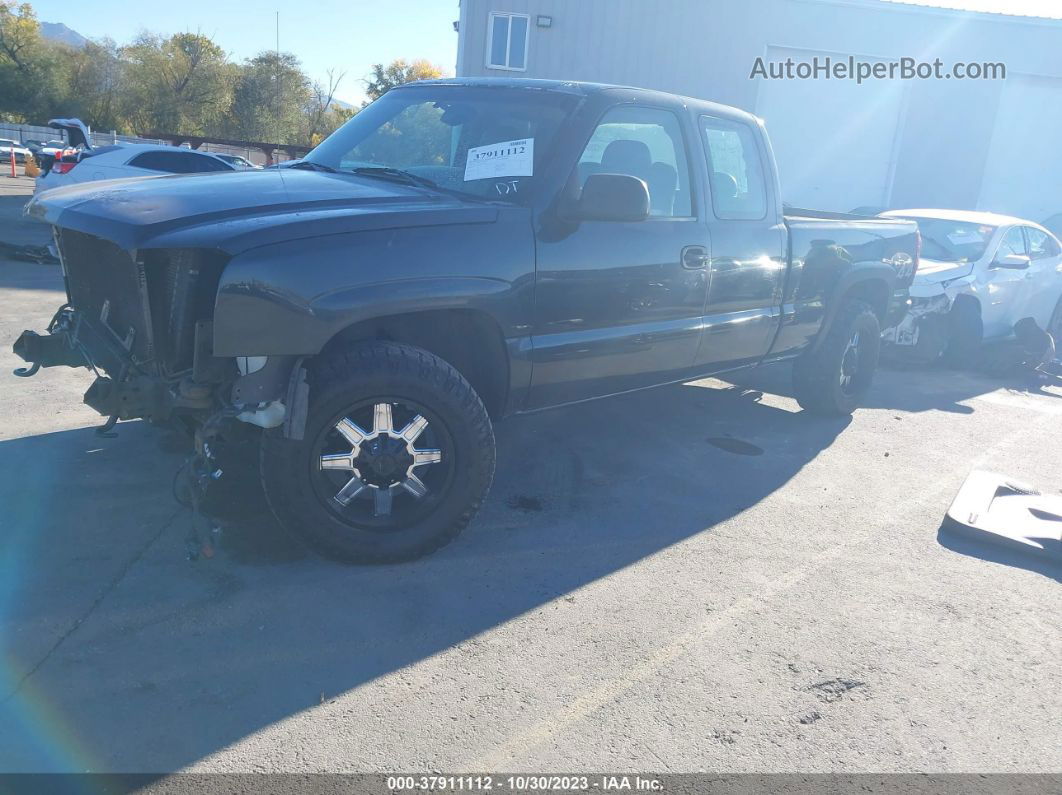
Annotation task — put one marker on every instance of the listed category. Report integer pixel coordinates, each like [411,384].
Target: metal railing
[32,132]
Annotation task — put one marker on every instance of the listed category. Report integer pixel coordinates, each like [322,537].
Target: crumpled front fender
[952,289]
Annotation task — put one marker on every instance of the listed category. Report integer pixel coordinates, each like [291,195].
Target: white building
[992,144]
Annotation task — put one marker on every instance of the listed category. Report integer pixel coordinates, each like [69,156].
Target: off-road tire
[371,370]
[817,374]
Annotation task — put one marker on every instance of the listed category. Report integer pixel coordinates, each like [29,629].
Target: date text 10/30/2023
[523,783]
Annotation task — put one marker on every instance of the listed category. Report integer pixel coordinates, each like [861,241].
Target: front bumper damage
[55,349]
[926,329]
[256,390]
[123,389]
[266,392]
[907,331]
[923,332]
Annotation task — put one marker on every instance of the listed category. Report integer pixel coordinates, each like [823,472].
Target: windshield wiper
[312,165]
[395,175]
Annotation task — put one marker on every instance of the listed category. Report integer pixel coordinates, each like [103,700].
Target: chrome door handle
[694,257]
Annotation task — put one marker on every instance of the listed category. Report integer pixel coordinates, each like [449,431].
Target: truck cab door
[748,258]
[618,304]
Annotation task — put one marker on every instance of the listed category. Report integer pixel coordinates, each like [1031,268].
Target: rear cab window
[735,170]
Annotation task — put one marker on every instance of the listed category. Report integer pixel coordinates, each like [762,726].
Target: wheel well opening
[965,320]
[971,301]
[875,292]
[469,340]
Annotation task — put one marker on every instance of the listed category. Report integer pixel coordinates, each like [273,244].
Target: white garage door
[834,139]
[1023,174]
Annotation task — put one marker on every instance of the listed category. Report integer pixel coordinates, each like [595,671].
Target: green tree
[322,115]
[398,72]
[95,82]
[181,84]
[269,99]
[30,68]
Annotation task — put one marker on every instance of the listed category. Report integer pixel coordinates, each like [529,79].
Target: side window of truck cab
[645,143]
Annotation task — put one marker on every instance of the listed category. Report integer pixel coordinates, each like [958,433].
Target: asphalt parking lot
[639,593]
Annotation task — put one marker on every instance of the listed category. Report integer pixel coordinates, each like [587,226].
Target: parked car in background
[237,162]
[9,147]
[35,146]
[43,150]
[53,147]
[460,250]
[116,162]
[980,274]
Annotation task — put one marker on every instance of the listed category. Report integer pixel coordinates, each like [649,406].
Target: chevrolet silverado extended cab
[459,251]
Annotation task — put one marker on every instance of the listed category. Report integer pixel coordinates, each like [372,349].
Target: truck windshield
[489,142]
[953,241]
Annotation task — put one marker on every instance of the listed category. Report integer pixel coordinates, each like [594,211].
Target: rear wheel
[835,378]
[397,455]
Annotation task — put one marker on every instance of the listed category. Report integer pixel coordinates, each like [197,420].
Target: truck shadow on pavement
[121,655]
[911,388]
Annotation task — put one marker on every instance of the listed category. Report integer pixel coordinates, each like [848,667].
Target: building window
[507,43]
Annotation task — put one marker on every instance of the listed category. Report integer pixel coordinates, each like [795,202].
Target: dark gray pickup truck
[459,251]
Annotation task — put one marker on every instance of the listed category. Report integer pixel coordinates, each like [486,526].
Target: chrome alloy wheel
[850,363]
[387,476]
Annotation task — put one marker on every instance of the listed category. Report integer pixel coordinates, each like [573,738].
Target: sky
[346,35]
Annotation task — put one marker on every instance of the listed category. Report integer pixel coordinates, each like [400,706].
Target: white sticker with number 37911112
[503,159]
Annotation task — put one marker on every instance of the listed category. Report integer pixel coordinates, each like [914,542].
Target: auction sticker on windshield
[503,159]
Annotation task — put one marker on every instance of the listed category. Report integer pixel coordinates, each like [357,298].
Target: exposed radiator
[149,304]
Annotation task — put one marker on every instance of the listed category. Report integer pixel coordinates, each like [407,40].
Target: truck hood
[932,271]
[238,210]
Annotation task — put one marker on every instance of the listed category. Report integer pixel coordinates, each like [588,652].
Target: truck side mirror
[613,197]
[1013,262]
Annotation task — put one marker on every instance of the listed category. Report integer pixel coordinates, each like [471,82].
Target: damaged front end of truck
[142,321]
[200,302]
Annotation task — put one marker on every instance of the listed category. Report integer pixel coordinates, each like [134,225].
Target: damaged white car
[979,274]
